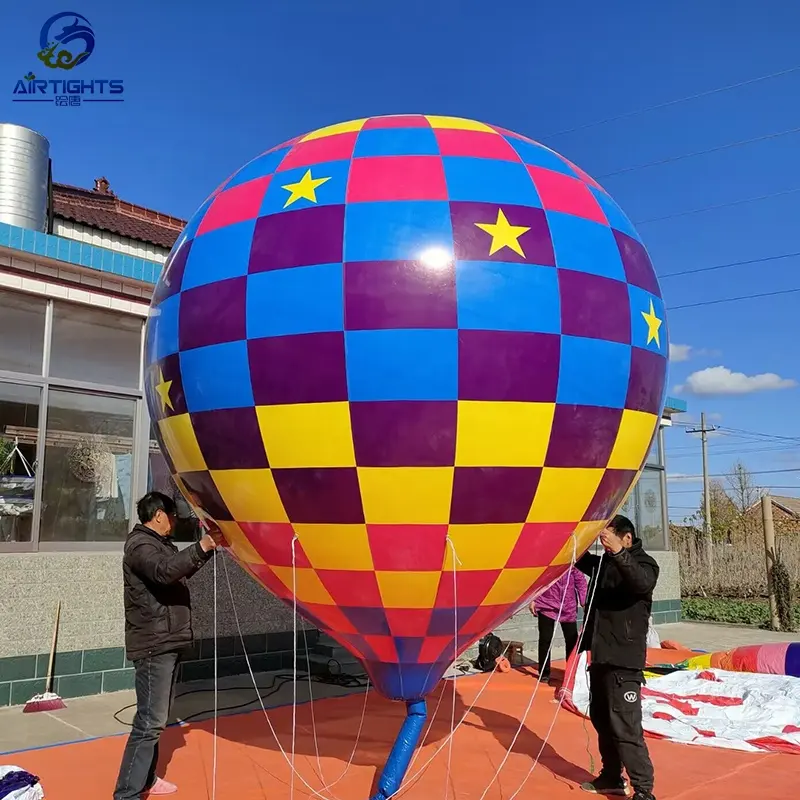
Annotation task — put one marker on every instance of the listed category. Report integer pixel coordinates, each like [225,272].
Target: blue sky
[206,91]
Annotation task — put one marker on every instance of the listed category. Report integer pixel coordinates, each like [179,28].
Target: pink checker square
[475,144]
[396,178]
[236,204]
[338,147]
[564,193]
[397,121]
[273,542]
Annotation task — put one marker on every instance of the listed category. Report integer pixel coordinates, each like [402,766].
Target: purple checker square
[172,274]
[609,494]
[171,370]
[298,239]
[646,381]
[213,314]
[594,307]
[408,648]
[443,620]
[230,438]
[404,433]
[473,243]
[582,436]
[485,495]
[360,645]
[320,495]
[307,368]
[508,365]
[202,486]
[399,294]
[368,621]
[638,268]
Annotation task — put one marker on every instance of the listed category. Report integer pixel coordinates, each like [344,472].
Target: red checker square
[408,621]
[331,617]
[396,178]
[352,588]
[549,577]
[383,647]
[561,192]
[584,176]
[471,587]
[273,542]
[483,620]
[477,144]
[433,647]
[338,147]
[236,204]
[267,577]
[419,548]
[539,543]
[397,121]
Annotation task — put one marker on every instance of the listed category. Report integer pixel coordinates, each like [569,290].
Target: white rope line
[216,690]
[294,664]
[507,755]
[286,758]
[311,706]
[561,697]
[456,562]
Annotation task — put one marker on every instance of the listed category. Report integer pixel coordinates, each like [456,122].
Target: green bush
[732,611]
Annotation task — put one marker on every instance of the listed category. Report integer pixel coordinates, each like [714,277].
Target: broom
[49,701]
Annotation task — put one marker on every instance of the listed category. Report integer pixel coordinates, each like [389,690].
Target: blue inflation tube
[407,740]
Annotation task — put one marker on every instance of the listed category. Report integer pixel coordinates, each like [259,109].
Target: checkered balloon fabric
[398,334]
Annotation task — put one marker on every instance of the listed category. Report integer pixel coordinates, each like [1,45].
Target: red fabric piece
[709,676]
[775,745]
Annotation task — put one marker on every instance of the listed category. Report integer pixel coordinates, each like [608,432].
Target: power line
[706,152]
[716,206]
[725,474]
[734,299]
[728,264]
[694,491]
[668,103]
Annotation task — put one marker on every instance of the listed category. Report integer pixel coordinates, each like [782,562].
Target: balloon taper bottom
[407,740]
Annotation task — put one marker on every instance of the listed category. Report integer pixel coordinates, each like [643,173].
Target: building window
[19,434]
[654,455]
[651,510]
[21,332]
[87,491]
[94,346]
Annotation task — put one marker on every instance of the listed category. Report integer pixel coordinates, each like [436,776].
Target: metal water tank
[24,177]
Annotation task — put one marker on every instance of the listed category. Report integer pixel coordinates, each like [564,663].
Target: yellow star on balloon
[503,234]
[163,388]
[305,188]
[653,324]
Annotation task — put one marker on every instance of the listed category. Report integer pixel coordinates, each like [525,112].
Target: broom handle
[49,684]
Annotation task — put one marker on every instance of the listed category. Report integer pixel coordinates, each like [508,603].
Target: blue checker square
[640,330]
[218,255]
[259,167]
[585,246]
[593,372]
[163,324]
[331,192]
[500,296]
[396,230]
[194,223]
[482,180]
[616,217]
[538,156]
[402,365]
[396,142]
[231,387]
[285,302]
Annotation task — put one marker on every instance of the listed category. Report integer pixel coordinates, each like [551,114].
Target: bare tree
[744,495]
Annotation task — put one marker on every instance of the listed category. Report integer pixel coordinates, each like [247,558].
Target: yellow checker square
[306,584]
[408,589]
[503,434]
[239,543]
[307,435]
[481,546]
[457,123]
[564,494]
[511,585]
[250,494]
[585,534]
[406,495]
[341,547]
[181,443]
[351,126]
[633,439]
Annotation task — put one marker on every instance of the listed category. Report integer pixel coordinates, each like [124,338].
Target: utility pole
[769,549]
[708,541]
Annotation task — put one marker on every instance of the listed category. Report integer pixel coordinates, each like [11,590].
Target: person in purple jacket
[546,608]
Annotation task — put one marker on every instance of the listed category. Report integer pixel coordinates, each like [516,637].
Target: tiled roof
[790,504]
[100,208]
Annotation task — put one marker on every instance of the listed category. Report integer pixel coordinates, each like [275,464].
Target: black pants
[615,709]
[155,687]
[547,627]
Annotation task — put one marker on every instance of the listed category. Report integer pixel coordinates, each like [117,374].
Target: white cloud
[679,352]
[720,381]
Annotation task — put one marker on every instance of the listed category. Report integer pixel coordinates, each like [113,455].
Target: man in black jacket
[621,597]
[158,627]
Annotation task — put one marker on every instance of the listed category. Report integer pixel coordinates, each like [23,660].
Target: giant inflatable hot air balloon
[422,356]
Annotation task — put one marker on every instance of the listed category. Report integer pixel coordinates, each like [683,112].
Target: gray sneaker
[602,784]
